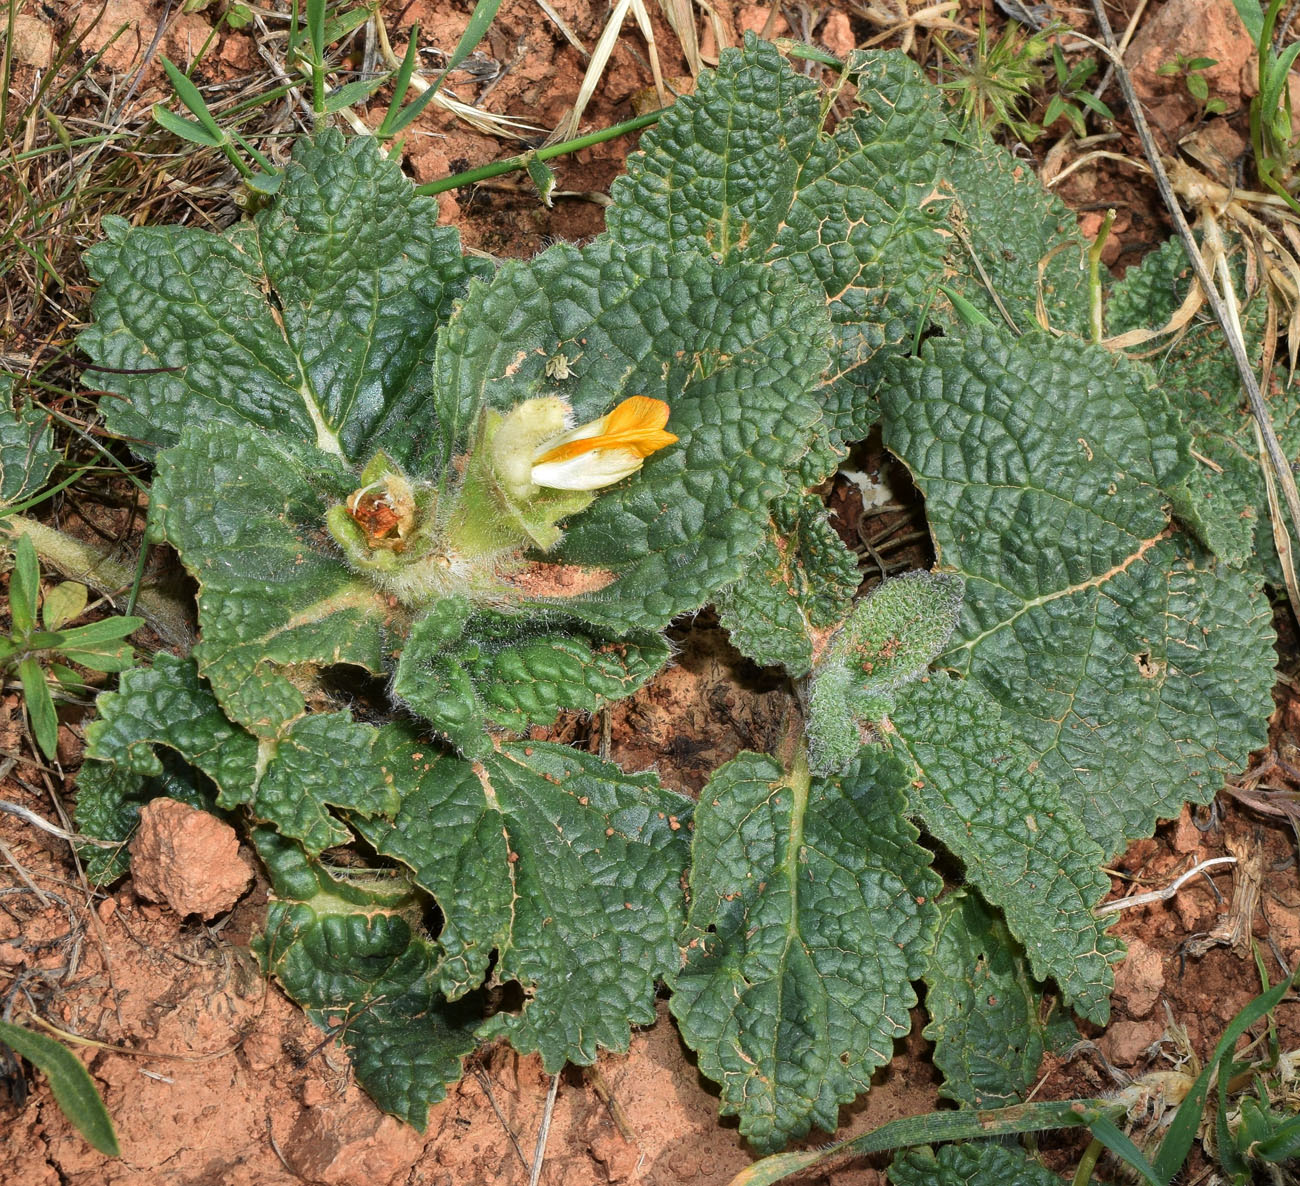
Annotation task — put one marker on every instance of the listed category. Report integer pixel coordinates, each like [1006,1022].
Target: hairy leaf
[290,781]
[1014,251]
[802,579]
[557,863]
[984,1007]
[26,448]
[810,915]
[108,805]
[974,1163]
[347,945]
[742,170]
[976,789]
[317,319]
[246,511]
[512,672]
[734,350]
[1225,500]
[1045,472]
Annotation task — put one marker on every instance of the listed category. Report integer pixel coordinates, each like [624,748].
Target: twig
[37,822]
[486,1084]
[1254,396]
[601,1087]
[539,1154]
[1169,891]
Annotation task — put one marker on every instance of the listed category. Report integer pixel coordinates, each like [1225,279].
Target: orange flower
[604,451]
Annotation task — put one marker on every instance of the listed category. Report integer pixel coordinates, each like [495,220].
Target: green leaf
[974,1163]
[557,863]
[1044,470]
[741,170]
[801,579]
[1008,230]
[190,95]
[24,587]
[810,914]
[886,642]
[543,178]
[352,93]
[347,945]
[480,20]
[1224,501]
[984,1007]
[977,790]
[512,673]
[246,510]
[74,1090]
[26,448]
[186,129]
[317,319]
[733,349]
[1252,16]
[316,762]
[65,603]
[40,706]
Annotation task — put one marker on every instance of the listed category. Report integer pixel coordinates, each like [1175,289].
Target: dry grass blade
[680,15]
[559,22]
[567,128]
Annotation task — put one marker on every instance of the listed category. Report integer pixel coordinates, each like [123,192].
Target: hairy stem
[80,561]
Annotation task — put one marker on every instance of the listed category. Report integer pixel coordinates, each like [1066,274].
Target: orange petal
[636,424]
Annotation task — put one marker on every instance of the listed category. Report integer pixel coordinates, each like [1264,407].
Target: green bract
[343,411]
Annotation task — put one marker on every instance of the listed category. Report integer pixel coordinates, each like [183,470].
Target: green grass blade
[1182,1131]
[401,80]
[1252,16]
[186,129]
[1122,1147]
[480,20]
[74,1090]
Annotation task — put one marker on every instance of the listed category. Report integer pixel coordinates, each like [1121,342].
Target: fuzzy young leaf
[802,578]
[347,946]
[984,1008]
[291,781]
[1045,469]
[976,790]
[886,642]
[974,1163]
[564,867]
[810,916]
[316,319]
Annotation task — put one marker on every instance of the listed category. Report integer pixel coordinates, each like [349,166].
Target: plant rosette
[396,491]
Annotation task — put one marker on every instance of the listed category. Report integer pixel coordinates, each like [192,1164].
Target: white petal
[588,471]
[593,428]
